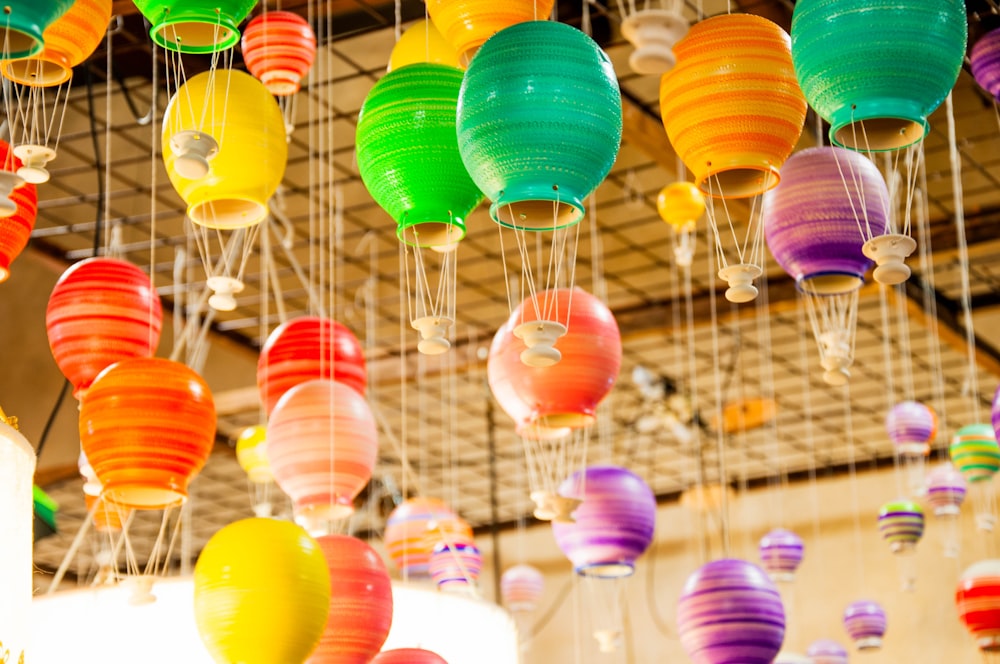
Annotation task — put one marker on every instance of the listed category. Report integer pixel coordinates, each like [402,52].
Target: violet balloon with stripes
[946,488]
[911,426]
[827,651]
[985,62]
[781,553]
[455,566]
[866,622]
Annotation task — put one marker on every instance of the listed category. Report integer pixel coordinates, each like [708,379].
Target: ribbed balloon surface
[305,348]
[15,229]
[680,204]
[455,565]
[975,452]
[408,154]
[539,123]
[781,553]
[731,105]
[613,525]
[567,393]
[827,651]
[279,48]
[911,426]
[467,24]
[730,611]
[408,656]
[261,593]
[322,444]
[147,426]
[24,24]
[977,600]
[521,587]
[415,527]
[195,26]
[901,524]
[812,218]
[946,489]
[985,61]
[101,311]
[360,602]
[887,62]
[866,623]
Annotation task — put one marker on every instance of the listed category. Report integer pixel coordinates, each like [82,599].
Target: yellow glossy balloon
[422,42]
[261,593]
[467,24]
[251,453]
[225,148]
[681,204]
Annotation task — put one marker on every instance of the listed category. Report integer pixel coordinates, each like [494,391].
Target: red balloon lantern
[17,214]
[279,48]
[306,348]
[147,426]
[101,311]
[360,602]
[322,443]
[565,394]
[977,599]
[408,656]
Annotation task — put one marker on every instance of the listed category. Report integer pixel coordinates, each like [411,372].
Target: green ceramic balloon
[195,26]
[408,155]
[886,63]
[23,24]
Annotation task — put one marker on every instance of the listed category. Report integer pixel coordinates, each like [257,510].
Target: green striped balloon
[975,452]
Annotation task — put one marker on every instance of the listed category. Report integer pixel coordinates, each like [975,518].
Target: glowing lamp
[24,24]
[261,593]
[985,61]
[279,48]
[827,651]
[251,454]
[225,148]
[865,622]
[455,566]
[195,26]
[408,656]
[781,553]
[101,311]
[876,70]
[975,453]
[305,348]
[422,42]
[613,523]
[18,210]
[946,488]
[730,611]
[147,426]
[17,470]
[539,123]
[415,527]
[467,24]
[977,599]
[521,587]
[360,602]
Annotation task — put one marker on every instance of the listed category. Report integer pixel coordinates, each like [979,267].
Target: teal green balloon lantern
[876,69]
[408,154]
[23,23]
[195,26]
[539,123]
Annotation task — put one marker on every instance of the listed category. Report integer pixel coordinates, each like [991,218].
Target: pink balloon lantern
[567,393]
[521,587]
[827,651]
[360,602]
[415,527]
[455,566]
[946,488]
[322,444]
[911,426]
[306,348]
[614,523]
[408,656]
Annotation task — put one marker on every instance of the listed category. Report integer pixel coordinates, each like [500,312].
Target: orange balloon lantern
[360,602]
[306,348]
[18,208]
[731,106]
[106,518]
[467,24]
[408,656]
[101,311]
[147,426]
[279,48]
[322,443]
[415,527]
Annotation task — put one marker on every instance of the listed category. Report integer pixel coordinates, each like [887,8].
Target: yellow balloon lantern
[467,24]
[261,593]
[422,42]
[251,454]
[225,148]
[681,204]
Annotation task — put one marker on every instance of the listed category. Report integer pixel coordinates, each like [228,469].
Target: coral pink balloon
[322,444]
[306,348]
[521,587]
[567,393]
[279,49]
[408,656]
[360,603]
[415,527]
[101,311]
[15,228]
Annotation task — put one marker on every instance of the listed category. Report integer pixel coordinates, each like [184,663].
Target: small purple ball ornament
[946,488]
[911,426]
[614,523]
[985,61]
[781,554]
[730,611]
[827,651]
[865,622]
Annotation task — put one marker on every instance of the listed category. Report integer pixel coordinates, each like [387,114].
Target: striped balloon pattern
[865,622]
[985,61]
[521,587]
[977,599]
[781,553]
[975,453]
[415,527]
[455,566]
[946,488]
[408,656]
[901,523]
[911,426]
[995,412]
[730,611]
[827,651]
[279,48]
[614,523]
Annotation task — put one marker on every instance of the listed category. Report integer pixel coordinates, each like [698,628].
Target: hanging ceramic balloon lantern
[24,23]
[977,599]
[946,488]
[985,62]
[467,24]
[730,611]
[261,593]
[974,452]
[827,651]
[251,454]
[901,524]
[912,426]
[734,112]
[865,622]
[415,527]
[521,587]
[681,204]
[101,311]
[422,42]
[455,566]
[195,26]
[781,553]
[18,210]
[305,348]
[322,443]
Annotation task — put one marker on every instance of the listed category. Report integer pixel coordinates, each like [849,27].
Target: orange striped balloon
[15,229]
[279,48]
[415,527]
[731,106]
[106,518]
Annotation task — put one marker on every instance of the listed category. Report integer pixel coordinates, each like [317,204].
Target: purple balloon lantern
[730,611]
[811,219]
[995,413]
[985,60]
[613,525]
[946,488]
[866,623]
[521,587]
[781,554]
[456,565]
[827,651]
[911,426]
